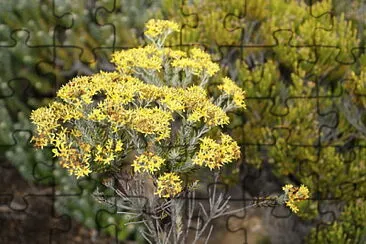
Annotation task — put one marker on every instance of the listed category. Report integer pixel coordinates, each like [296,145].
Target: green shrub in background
[305,86]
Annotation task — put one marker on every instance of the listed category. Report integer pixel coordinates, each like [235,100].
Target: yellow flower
[156,27]
[72,91]
[214,155]
[45,121]
[48,119]
[81,171]
[97,115]
[147,162]
[294,195]
[118,147]
[230,88]
[150,92]
[94,115]
[168,185]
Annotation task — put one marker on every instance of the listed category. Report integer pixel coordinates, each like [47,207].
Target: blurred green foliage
[349,229]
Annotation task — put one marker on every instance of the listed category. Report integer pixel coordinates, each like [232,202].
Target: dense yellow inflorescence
[148,58]
[147,162]
[199,62]
[155,27]
[169,185]
[214,155]
[232,89]
[96,120]
[295,195]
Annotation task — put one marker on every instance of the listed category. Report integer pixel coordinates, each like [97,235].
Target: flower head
[214,155]
[199,62]
[231,89]
[147,162]
[295,194]
[169,185]
[148,57]
[156,27]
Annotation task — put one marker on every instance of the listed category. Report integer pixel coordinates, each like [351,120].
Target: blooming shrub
[155,109]
[95,118]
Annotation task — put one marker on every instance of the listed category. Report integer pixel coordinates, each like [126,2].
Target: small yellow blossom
[147,162]
[169,185]
[150,92]
[156,27]
[81,171]
[72,91]
[97,115]
[46,121]
[294,195]
[118,147]
[214,155]
[173,98]
[230,88]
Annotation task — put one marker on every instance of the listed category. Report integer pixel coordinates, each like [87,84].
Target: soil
[26,215]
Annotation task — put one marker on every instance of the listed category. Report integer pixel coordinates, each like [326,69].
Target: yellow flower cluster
[116,87]
[76,155]
[47,120]
[197,63]
[95,118]
[294,195]
[106,153]
[148,57]
[151,121]
[169,185]
[75,159]
[231,89]
[196,100]
[147,162]
[214,155]
[156,27]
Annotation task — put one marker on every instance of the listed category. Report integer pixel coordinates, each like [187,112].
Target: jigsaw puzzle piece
[104,26]
[116,224]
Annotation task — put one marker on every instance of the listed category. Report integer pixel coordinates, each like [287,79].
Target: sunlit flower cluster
[156,27]
[199,62]
[231,89]
[294,195]
[148,58]
[147,162]
[97,120]
[169,185]
[214,155]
